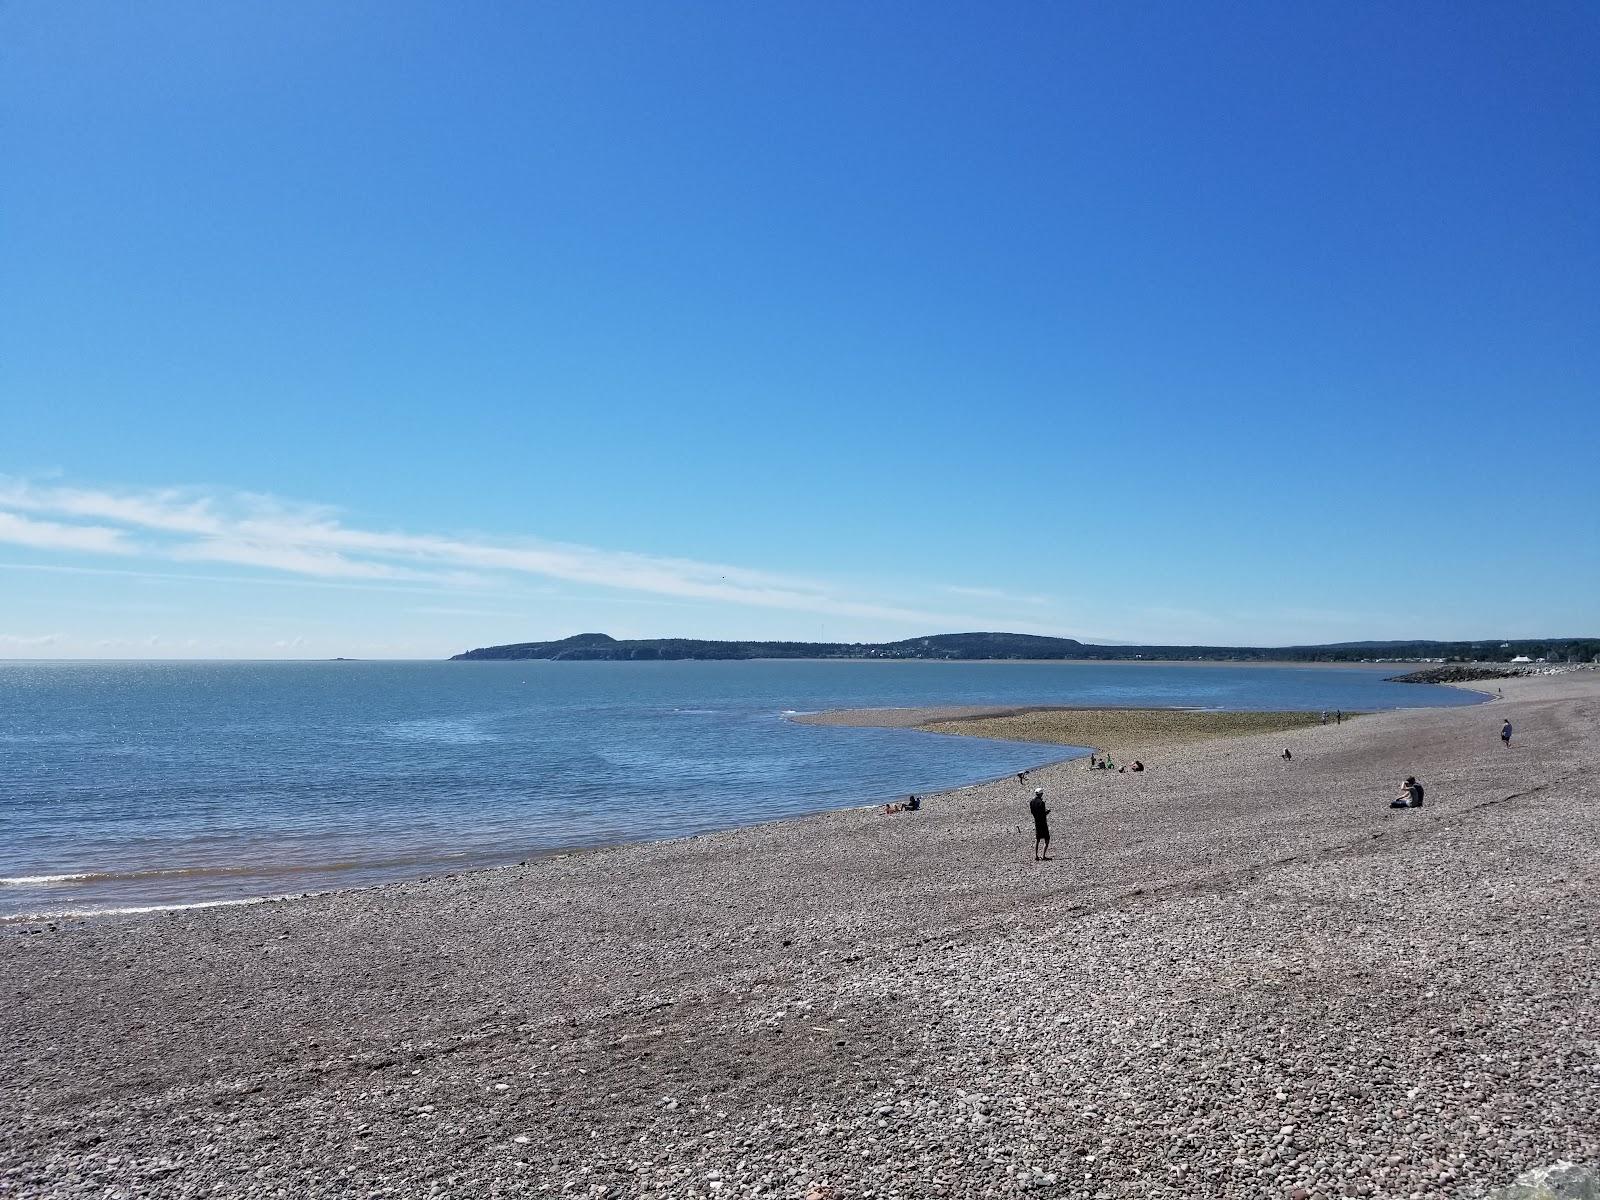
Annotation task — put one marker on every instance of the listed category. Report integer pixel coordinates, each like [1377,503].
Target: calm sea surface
[126,785]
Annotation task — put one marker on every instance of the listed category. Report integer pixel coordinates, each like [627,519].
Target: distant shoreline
[943,662]
[1026,647]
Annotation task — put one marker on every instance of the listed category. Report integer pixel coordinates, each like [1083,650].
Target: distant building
[1522,658]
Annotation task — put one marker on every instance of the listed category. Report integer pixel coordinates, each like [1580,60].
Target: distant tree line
[969,646]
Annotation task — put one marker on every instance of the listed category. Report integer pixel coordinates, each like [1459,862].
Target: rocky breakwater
[1474,672]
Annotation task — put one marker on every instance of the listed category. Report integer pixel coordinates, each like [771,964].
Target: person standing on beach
[1338,716]
[1505,734]
[1041,826]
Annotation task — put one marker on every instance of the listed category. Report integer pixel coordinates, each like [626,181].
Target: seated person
[913,803]
[1410,794]
[1137,766]
[1286,755]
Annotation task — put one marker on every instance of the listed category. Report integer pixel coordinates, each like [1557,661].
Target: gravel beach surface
[1239,976]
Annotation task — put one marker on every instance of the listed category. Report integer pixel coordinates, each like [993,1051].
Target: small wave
[458,733]
[57,914]
[254,869]
[42,880]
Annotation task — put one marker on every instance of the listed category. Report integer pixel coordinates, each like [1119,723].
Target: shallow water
[129,785]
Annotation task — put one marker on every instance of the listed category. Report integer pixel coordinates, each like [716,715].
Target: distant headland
[599,647]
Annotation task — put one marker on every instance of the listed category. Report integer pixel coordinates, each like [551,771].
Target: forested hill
[957,646]
[599,646]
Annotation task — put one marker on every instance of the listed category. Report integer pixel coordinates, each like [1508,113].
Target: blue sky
[395,329]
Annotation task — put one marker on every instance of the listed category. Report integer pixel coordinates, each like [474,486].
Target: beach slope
[1239,976]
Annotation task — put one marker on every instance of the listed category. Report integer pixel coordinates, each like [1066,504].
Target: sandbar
[1123,732]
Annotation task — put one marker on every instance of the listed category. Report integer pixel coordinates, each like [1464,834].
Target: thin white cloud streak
[444,611]
[52,535]
[237,580]
[299,560]
[991,593]
[187,524]
[173,510]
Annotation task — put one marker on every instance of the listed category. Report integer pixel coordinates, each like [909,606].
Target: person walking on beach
[1041,826]
[1505,734]
[1338,716]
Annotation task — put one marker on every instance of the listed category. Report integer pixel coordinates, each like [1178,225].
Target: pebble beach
[1239,977]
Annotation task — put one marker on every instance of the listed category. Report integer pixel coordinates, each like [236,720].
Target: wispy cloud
[313,541]
[52,535]
[29,640]
[448,585]
[297,560]
[446,611]
[991,593]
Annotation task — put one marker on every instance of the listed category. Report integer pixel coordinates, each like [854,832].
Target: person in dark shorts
[1041,826]
[1410,794]
[1505,734]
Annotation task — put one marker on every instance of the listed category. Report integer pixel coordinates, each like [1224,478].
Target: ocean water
[133,785]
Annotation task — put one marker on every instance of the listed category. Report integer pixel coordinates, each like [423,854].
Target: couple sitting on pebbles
[913,803]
